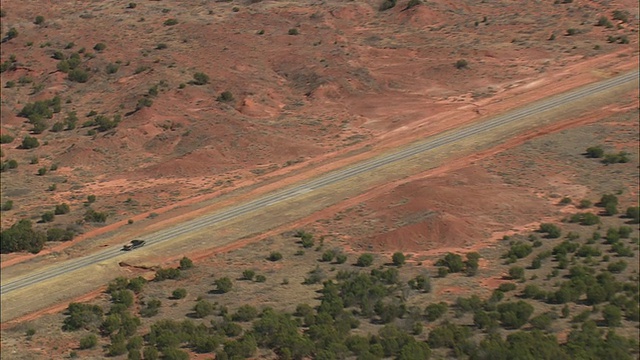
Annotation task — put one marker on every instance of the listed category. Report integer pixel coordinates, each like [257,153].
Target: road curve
[294,191]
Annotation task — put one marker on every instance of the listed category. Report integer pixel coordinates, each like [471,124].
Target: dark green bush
[364,260]
[453,263]
[200,78]
[186,263]
[552,230]
[514,314]
[398,259]
[225,96]
[223,285]
[435,311]
[6,139]
[78,75]
[595,152]
[387,4]
[461,64]
[179,293]
[88,342]
[168,273]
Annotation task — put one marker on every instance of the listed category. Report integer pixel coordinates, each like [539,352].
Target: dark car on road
[134,244]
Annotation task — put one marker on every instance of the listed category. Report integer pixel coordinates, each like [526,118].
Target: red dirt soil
[354,79]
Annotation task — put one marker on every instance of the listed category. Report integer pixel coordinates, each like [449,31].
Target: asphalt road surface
[260,204]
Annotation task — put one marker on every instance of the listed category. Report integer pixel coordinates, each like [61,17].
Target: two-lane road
[259,204]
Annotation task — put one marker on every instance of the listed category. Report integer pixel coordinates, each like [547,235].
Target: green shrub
[387,4]
[39,20]
[88,342]
[7,205]
[595,152]
[621,15]
[62,209]
[306,239]
[223,285]
[435,311]
[179,293]
[611,315]
[604,21]
[112,68]
[293,31]
[140,69]
[260,278]
[572,31]
[48,216]
[514,314]
[248,275]
[81,316]
[585,219]
[364,260]
[144,102]
[275,256]
[124,297]
[203,308]
[58,126]
[152,308]
[633,213]
[6,139]
[398,259]
[516,273]
[200,78]
[57,234]
[619,158]
[161,46]
[542,321]
[328,255]
[225,96]
[78,75]
[624,231]
[94,216]
[341,258]
[506,287]
[170,22]
[617,267]
[29,143]
[552,230]
[185,263]
[413,3]
[245,313]
[168,273]
[519,250]
[453,262]
[461,64]
[99,47]
[12,33]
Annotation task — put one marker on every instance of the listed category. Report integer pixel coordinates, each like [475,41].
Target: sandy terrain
[352,78]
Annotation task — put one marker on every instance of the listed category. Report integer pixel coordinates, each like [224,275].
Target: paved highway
[294,191]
